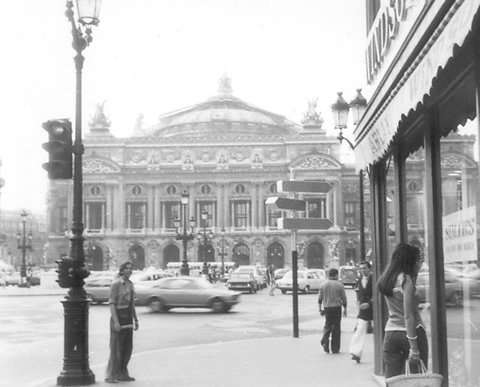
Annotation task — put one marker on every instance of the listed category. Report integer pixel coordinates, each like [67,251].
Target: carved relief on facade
[240,155]
[94,190]
[222,161]
[257,161]
[136,157]
[187,163]
[135,190]
[153,162]
[456,161]
[99,166]
[205,156]
[316,162]
[273,154]
[350,188]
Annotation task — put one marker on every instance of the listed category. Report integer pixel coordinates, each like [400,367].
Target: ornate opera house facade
[227,155]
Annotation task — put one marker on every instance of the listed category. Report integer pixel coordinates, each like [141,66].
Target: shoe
[325,348]
[110,380]
[355,358]
[127,379]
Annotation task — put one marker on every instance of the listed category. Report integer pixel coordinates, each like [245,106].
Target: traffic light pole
[76,369]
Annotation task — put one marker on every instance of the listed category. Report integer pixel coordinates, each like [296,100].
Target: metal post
[76,369]
[185,270]
[295,283]
[362,216]
[204,248]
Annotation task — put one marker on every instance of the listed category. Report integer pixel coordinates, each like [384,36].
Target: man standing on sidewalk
[331,299]
[365,311]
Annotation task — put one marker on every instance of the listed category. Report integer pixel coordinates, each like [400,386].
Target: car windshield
[240,276]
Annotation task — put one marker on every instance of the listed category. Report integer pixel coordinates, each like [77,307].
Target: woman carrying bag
[405,337]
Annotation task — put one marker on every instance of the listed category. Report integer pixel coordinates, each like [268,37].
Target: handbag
[423,379]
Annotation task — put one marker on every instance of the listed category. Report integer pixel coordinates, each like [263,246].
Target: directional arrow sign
[286,204]
[303,186]
[304,223]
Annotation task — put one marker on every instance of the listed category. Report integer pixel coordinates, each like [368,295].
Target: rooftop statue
[225,85]
[99,119]
[312,117]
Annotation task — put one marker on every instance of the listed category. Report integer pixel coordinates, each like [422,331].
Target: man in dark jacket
[365,310]
[331,299]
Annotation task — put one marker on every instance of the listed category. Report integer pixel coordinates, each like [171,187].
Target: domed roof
[223,115]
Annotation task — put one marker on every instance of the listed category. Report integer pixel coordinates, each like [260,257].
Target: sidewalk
[275,362]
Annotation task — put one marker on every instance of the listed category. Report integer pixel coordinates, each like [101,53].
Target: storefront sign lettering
[383,31]
[460,235]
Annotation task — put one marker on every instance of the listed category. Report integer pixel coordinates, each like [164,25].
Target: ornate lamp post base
[76,370]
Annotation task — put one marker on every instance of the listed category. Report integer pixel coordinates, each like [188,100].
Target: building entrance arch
[276,255]
[171,253]
[241,254]
[315,256]
[136,254]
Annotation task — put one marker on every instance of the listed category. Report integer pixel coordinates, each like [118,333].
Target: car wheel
[306,289]
[218,305]
[284,291]
[157,305]
[92,299]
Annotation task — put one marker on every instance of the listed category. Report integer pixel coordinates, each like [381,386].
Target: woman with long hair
[405,336]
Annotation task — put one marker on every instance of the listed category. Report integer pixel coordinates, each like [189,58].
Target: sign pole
[295,283]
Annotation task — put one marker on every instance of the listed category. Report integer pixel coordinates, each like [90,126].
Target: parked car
[279,273]
[242,282]
[453,287]
[348,275]
[185,292]
[251,269]
[150,275]
[98,288]
[308,280]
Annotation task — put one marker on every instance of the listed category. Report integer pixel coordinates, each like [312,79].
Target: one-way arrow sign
[304,223]
[303,186]
[286,204]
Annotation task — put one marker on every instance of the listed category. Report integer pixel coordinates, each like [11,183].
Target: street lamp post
[185,237]
[76,369]
[24,246]
[206,239]
[222,254]
[340,111]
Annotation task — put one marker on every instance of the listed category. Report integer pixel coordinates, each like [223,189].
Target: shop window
[460,203]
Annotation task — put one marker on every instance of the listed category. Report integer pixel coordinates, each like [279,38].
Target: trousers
[121,346]
[396,348]
[358,338]
[332,328]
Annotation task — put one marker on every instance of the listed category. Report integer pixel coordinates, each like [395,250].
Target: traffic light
[65,272]
[59,148]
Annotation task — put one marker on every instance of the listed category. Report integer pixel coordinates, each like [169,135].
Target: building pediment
[315,161]
[97,165]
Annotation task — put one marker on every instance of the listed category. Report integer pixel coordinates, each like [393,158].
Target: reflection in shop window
[460,205]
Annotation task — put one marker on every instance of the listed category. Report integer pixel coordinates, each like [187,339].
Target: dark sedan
[243,282]
[184,292]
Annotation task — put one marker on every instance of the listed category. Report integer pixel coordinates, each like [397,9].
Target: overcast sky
[154,56]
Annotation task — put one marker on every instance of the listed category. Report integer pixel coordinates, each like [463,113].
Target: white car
[308,280]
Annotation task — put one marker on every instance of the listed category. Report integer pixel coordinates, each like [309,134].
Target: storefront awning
[373,142]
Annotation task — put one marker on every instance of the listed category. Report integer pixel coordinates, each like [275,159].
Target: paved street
[31,330]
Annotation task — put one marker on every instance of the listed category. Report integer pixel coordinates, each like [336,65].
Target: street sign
[304,223]
[303,186]
[286,204]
